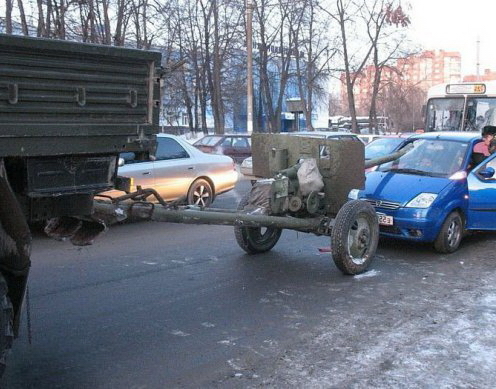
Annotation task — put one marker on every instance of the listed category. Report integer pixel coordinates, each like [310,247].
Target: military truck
[67,110]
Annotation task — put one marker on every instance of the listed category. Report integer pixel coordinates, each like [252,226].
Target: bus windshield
[480,113]
[444,114]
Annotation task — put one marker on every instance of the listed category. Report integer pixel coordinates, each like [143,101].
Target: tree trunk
[107,35]
[48,23]
[61,26]
[215,76]
[349,84]
[119,25]
[8,16]
[41,20]
[373,100]
[22,14]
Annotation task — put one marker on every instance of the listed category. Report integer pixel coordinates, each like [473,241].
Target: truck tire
[255,240]
[200,193]
[450,235]
[354,237]
[6,322]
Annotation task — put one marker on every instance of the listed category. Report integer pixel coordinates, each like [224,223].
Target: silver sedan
[178,170]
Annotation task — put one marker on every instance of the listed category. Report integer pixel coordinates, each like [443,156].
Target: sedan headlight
[353,195]
[423,200]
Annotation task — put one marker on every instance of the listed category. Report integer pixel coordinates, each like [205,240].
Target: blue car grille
[383,204]
[390,230]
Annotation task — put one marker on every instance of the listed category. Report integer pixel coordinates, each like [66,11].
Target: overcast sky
[454,25]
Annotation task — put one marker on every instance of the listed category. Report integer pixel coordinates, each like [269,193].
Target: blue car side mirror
[488,172]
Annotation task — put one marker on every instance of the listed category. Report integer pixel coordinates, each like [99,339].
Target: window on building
[184,121]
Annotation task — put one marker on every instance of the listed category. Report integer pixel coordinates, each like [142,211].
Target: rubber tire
[200,189]
[453,224]
[250,239]
[6,324]
[360,216]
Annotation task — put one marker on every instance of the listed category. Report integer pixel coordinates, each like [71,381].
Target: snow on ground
[418,340]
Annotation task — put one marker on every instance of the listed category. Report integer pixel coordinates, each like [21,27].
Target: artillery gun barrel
[386,158]
[185,215]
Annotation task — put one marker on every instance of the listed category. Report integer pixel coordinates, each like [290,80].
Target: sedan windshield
[382,146]
[430,157]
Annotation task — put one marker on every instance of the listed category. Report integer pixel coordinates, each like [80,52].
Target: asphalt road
[158,305]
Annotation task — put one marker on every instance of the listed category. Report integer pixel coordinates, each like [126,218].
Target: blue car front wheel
[450,235]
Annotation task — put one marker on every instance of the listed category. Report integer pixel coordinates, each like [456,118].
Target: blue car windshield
[382,146]
[430,157]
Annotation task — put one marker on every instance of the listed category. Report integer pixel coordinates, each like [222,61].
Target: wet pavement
[183,306]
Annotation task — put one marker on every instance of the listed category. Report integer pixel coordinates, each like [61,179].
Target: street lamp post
[249,66]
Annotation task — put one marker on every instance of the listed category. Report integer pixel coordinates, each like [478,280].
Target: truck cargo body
[66,111]
[59,97]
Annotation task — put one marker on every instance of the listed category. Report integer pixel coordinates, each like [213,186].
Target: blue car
[435,192]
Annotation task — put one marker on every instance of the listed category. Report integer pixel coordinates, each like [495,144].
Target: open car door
[482,196]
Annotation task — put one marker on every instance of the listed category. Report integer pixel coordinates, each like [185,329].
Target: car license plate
[385,220]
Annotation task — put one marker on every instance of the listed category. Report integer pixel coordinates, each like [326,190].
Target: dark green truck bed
[60,97]
[67,109]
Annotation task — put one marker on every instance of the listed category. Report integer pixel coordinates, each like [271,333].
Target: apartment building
[488,75]
[420,71]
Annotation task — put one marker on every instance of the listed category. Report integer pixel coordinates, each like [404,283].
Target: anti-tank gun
[305,187]
[310,175]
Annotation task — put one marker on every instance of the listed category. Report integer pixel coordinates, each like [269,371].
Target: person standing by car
[487,137]
[492,144]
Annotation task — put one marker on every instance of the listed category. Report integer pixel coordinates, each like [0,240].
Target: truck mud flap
[80,232]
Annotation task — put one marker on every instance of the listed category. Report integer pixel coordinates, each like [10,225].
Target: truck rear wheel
[354,237]
[255,240]
[6,320]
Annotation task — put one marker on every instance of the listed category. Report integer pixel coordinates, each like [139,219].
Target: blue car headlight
[423,200]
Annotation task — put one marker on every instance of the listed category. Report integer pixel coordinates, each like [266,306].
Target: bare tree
[186,38]
[222,22]
[22,16]
[384,20]
[121,22]
[404,101]
[345,14]
[313,53]
[41,30]
[275,22]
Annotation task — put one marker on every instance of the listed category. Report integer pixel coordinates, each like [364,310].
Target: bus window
[480,113]
[444,114]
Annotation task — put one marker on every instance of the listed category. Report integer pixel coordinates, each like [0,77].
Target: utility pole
[478,62]
[249,66]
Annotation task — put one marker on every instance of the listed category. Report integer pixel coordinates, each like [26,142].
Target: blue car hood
[400,187]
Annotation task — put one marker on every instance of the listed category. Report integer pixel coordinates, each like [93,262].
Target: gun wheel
[255,240]
[354,237]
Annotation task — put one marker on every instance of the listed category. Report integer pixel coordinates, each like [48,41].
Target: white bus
[363,122]
[467,106]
